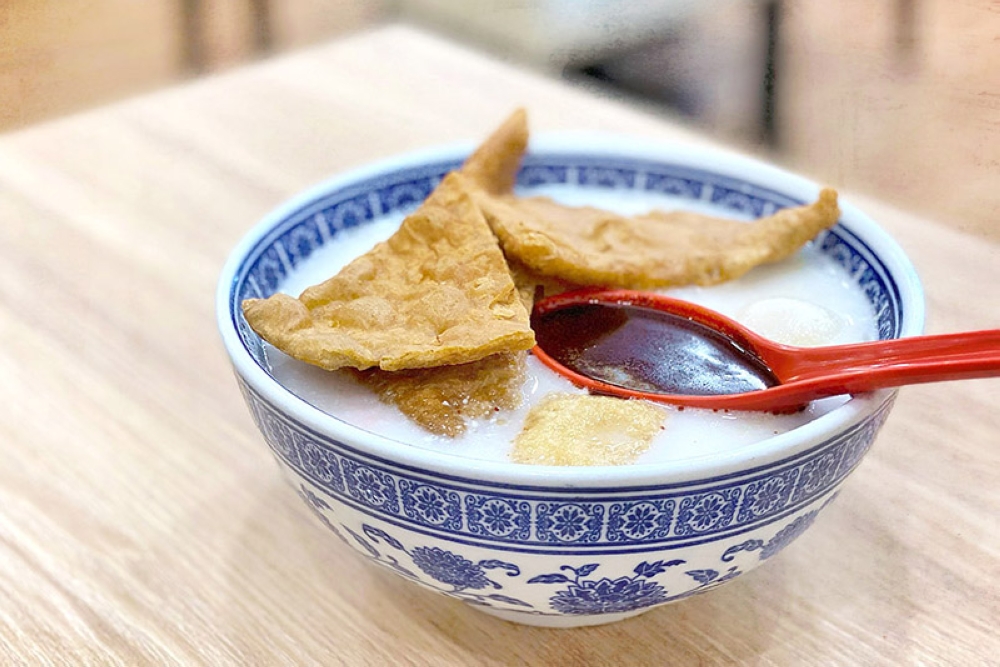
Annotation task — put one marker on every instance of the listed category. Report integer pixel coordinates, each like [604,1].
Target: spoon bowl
[636,344]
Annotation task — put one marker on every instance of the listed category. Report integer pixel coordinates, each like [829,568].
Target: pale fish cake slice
[591,246]
[437,292]
[587,430]
[443,399]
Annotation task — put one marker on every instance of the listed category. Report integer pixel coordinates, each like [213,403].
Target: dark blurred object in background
[899,99]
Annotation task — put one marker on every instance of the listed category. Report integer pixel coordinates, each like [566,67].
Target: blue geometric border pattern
[476,513]
[313,225]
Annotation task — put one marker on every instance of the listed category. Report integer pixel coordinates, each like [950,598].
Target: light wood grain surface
[143,521]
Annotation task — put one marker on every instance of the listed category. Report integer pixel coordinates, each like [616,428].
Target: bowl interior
[716,182]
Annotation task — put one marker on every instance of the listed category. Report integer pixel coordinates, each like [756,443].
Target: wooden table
[143,521]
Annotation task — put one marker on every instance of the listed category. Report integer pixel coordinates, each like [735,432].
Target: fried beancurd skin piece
[492,169]
[587,430]
[494,165]
[442,399]
[437,292]
[590,246]
[533,286]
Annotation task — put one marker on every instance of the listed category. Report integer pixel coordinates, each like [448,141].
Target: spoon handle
[914,356]
[792,395]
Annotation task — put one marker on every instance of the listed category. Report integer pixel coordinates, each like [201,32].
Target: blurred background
[895,98]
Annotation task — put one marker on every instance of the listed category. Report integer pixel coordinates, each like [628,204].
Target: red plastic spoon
[646,345]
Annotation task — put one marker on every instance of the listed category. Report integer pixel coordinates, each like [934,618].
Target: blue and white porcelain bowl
[546,545]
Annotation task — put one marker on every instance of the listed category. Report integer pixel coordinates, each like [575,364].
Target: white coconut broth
[807,299]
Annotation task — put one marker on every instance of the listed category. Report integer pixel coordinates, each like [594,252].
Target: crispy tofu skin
[494,165]
[442,399]
[590,246]
[438,292]
[533,286]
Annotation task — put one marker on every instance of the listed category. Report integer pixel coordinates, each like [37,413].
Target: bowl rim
[743,459]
